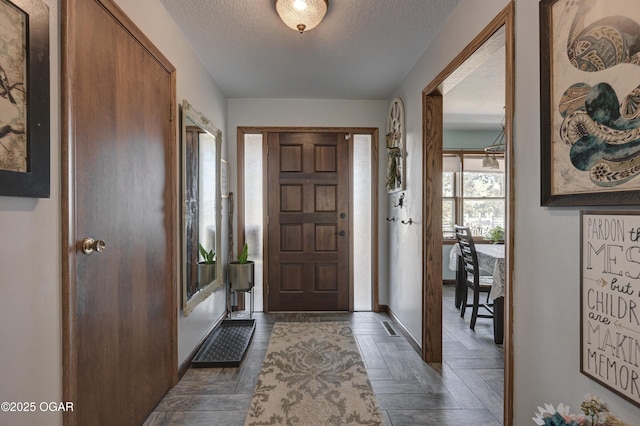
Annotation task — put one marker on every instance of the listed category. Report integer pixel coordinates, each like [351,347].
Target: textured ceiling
[474,94]
[362,50]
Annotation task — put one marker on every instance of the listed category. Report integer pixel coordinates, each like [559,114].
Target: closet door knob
[89,245]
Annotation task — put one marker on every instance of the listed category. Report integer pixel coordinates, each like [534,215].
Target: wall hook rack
[393,219]
[408,222]
[401,201]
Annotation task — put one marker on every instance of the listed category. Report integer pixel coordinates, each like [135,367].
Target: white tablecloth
[490,259]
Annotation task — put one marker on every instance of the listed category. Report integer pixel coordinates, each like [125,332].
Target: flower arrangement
[596,413]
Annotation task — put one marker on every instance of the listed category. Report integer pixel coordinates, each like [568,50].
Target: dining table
[491,260]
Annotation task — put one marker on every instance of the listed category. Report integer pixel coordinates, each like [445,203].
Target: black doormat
[225,347]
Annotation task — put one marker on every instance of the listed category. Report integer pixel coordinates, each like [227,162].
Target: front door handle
[89,245]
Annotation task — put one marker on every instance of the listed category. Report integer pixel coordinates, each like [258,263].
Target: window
[472,192]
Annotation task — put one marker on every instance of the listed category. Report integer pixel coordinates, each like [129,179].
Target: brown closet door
[119,186]
[308,209]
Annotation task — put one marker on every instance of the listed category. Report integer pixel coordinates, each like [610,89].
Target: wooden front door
[119,185]
[308,221]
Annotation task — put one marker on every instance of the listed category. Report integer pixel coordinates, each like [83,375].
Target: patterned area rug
[313,375]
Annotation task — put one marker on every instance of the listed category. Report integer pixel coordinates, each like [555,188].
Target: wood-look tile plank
[370,353]
[200,374]
[416,401]
[251,367]
[387,420]
[403,345]
[492,400]
[425,374]
[173,402]
[442,418]
[465,335]
[370,326]
[396,386]
[462,352]
[459,390]
[379,374]
[473,363]
[193,418]
[394,362]
[203,387]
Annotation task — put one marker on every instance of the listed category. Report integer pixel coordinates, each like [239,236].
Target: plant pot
[241,276]
[206,274]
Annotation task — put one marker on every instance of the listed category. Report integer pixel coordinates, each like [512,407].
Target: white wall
[309,113]
[30,252]
[405,243]
[30,285]
[546,276]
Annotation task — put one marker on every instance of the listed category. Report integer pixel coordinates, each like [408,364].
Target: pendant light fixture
[302,15]
[498,145]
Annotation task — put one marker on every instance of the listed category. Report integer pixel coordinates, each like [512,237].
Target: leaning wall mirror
[201,208]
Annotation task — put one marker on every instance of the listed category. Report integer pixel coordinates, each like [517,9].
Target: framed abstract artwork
[24,99]
[590,102]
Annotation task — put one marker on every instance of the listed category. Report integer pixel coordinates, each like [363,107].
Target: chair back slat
[472,271]
[468,252]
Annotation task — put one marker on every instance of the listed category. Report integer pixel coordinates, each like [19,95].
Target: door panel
[119,352]
[308,209]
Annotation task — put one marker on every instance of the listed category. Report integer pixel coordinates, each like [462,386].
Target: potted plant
[206,268]
[496,234]
[241,271]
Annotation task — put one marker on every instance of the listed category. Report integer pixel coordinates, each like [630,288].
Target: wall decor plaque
[610,301]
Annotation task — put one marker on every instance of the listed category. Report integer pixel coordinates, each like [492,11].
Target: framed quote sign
[610,301]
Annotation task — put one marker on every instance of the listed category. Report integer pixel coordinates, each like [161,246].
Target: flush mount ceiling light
[302,15]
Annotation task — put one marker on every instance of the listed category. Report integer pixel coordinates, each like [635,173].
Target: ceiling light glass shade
[302,15]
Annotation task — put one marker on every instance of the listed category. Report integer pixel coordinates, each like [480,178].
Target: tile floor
[465,390]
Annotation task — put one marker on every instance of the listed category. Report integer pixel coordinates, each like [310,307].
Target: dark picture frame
[609,291]
[588,145]
[35,180]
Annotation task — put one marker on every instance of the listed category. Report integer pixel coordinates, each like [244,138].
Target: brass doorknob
[89,245]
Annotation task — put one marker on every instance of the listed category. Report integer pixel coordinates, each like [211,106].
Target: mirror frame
[190,114]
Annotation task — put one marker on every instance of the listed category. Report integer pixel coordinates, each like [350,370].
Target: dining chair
[473,280]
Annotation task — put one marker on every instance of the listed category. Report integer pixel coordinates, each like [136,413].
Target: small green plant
[244,254]
[496,234]
[208,256]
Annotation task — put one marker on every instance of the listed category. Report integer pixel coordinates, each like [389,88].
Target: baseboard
[412,341]
[182,369]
